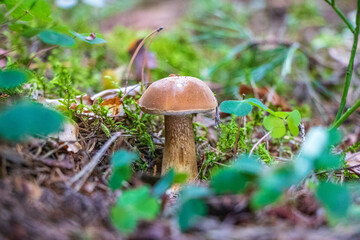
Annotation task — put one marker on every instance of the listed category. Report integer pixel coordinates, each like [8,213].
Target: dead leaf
[70,135]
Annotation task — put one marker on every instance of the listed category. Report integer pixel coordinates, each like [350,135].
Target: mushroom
[178,97]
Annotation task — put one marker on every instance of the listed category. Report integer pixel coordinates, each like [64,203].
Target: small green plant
[275,122]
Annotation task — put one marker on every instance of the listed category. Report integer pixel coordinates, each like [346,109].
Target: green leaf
[28,119]
[327,161]
[293,122]
[83,37]
[239,108]
[123,158]
[228,180]
[122,219]
[12,79]
[26,10]
[264,197]
[119,175]
[279,179]
[335,198]
[41,10]
[134,205]
[193,192]
[317,142]
[257,103]
[55,38]
[164,183]
[190,212]
[180,178]
[249,165]
[276,125]
[120,162]
[279,114]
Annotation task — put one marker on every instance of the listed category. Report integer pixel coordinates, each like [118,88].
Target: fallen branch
[84,174]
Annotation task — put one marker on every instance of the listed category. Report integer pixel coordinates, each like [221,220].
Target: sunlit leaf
[228,180]
[28,119]
[26,10]
[12,79]
[275,125]
[293,122]
[55,38]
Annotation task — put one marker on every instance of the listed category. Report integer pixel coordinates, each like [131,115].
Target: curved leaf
[55,38]
[257,103]
[28,119]
[85,35]
[239,108]
[12,79]
[276,125]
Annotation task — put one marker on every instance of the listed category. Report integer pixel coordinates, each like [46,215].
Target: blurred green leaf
[123,158]
[193,192]
[180,178]
[239,108]
[279,179]
[120,162]
[164,183]
[132,206]
[190,212]
[119,175]
[28,119]
[327,161]
[228,180]
[12,79]
[264,197]
[335,198]
[317,142]
[249,165]
[55,38]
[26,10]
[83,37]
[275,125]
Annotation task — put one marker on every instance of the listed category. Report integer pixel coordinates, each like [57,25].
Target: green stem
[346,115]
[350,67]
[341,15]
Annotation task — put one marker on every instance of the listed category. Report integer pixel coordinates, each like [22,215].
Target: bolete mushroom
[178,97]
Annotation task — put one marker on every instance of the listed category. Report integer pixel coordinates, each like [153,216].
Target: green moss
[263,154]
[228,135]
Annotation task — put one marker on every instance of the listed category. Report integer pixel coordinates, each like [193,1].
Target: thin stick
[83,175]
[258,142]
[39,53]
[146,63]
[340,169]
[136,53]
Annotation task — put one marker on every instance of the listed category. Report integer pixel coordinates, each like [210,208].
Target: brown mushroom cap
[178,95]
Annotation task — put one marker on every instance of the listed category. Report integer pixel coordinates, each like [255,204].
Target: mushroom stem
[179,151]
